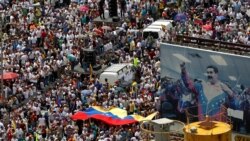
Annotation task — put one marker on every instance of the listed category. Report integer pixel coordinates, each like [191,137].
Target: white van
[155,26]
[117,72]
[167,23]
[156,29]
[156,33]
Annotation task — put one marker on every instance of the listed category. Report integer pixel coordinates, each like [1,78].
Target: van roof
[162,22]
[152,29]
[133,30]
[115,67]
[155,26]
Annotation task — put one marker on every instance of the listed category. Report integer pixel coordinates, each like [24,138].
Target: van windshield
[150,33]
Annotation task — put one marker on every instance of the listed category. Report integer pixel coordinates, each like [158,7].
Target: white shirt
[78,103]
[19,132]
[38,33]
[14,139]
[139,45]
[33,39]
[41,121]
[239,16]
[133,139]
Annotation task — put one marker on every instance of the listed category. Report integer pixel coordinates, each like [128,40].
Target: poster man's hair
[214,68]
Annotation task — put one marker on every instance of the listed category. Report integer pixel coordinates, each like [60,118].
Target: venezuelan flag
[112,116]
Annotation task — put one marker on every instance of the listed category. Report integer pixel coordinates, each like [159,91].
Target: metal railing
[215,45]
[220,116]
[168,132]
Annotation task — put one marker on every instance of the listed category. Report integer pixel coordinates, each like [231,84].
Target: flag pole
[90,72]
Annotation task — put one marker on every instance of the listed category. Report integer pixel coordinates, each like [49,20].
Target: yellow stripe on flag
[151,116]
[141,118]
[121,113]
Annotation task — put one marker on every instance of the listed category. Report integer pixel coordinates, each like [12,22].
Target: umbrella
[71,57]
[86,92]
[220,18]
[32,26]
[198,21]
[118,89]
[84,8]
[97,31]
[207,27]
[9,75]
[78,68]
[27,49]
[106,27]
[181,17]
[125,84]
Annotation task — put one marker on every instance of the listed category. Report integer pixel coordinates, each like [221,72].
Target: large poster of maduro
[207,80]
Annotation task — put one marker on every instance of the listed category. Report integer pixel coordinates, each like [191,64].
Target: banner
[208,80]
[112,116]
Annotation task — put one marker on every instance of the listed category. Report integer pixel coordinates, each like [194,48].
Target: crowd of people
[222,20]
[40,38]
[39,42]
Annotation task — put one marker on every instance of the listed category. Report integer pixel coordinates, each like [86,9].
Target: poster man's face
[211,75]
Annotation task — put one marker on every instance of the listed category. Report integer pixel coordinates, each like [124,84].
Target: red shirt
[44,34]
[151,54]
[9,134]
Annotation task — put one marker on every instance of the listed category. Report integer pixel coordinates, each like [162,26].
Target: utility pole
[2,39]
[2,90]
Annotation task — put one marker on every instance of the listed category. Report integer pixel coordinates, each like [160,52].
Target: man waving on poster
[211,94]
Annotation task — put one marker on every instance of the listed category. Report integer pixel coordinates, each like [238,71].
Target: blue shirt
[144,12]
